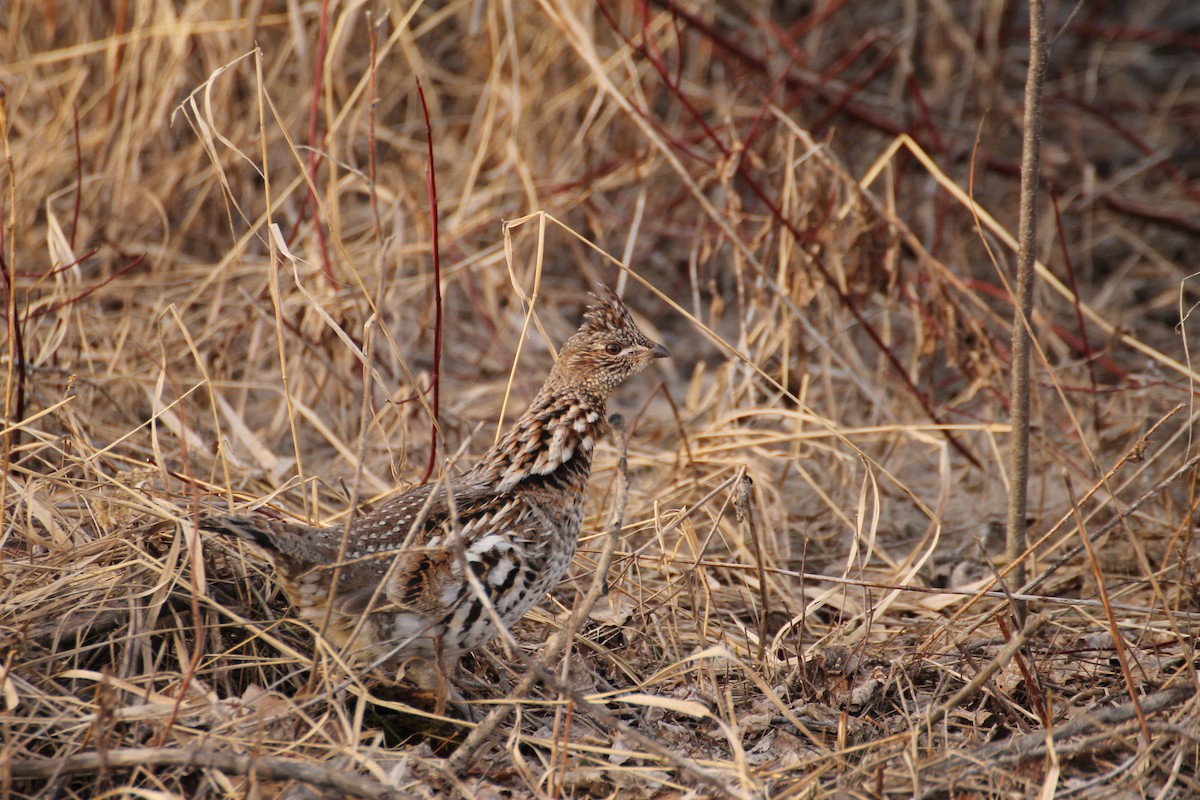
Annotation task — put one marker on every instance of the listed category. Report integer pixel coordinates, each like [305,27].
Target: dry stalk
[1022,330]
[435,379]
[14,382]
[261,767]
[1104,720]
[1118,639]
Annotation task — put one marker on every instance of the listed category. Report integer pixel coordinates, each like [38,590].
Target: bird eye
[613,349]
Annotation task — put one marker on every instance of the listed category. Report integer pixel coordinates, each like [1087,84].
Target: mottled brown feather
[514,518]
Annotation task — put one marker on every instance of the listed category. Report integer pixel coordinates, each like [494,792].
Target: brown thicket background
[219,290]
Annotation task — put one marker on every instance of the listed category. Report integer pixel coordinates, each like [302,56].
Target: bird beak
[658,351]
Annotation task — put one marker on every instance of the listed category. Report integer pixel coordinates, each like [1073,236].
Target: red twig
[55,270]
[78,182]
[874,119]
[1033,684]
[1152,212]
[14,391]
[1166,166]
[431,188]
[804,237]
[1074,342]
[52,308]
[914,87]
[374,98]
[1131,33]
[759,63]
[661,67]
[315,147]
[1109,616]
[768,100]
[853,88]
[818,16]
[1069,267]
[313,117]
[1093,356]
[120,27]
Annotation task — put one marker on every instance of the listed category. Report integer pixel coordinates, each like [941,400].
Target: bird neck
[557,432]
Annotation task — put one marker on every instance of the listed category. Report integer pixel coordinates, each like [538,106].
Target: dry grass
[221,299]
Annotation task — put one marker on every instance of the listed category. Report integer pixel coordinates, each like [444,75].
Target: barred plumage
[514,518]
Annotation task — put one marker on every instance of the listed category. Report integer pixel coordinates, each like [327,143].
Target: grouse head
[607,349]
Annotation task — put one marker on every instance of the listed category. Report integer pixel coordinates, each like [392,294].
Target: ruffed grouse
[401,591]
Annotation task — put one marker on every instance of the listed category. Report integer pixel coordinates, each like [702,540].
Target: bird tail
[290,547]
[256,531]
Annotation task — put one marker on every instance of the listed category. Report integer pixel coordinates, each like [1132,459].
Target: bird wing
[425,575]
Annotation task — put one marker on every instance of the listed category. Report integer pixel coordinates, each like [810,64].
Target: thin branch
[1018,468]
[14,386]
[435,380]
[315,146]
[1084,347]
[336,778]
[1113,626]
[78,183]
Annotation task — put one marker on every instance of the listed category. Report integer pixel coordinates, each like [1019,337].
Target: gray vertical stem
[1018,467]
